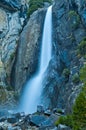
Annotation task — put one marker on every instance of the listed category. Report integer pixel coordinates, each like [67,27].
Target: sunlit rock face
[12,19]
[28,53]
[3,23]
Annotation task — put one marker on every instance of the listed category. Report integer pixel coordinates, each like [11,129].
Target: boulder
[12,119]
[63,127]
[37,120]
[49,123]
[40,109]
[48,112]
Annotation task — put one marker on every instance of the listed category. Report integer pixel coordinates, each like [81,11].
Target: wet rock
[2,119]
[48,128]
[3,112]
[63,127]
[5,125]
[40,109]
[22,114]
[17,115]
[49,122]
[12,120]
[54,110]
[48,112]
[37,120]
[14,128]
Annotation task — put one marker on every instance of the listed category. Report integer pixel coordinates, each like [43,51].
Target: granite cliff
[20,45]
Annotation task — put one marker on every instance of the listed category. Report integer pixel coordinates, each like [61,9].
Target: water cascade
[33,88]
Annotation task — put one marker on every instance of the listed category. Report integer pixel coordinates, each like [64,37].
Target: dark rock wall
[68,31]
[69,28]
[11,5]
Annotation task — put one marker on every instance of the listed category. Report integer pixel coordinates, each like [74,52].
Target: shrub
[66,72]
[79,109]
[77,121]
[35,4]
[74,18]
[60,111]
[83,74]
[32,9]
[76,78]
[66,120]
[82,47]
[12,56]
[9,88]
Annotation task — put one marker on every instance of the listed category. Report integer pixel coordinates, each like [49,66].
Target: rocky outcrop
[27,56]
[68,31]
[12,20]
[11,23]
[37,121]
[11,5]
[20,52]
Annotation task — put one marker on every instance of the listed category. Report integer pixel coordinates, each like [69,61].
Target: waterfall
[33,88]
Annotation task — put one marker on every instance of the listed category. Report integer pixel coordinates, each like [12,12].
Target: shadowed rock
[11,5]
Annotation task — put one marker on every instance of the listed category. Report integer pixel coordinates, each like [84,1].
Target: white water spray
[33,89]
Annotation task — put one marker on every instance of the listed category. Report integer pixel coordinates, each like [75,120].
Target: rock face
[12,19]
[28,52]
[20,52]
[36,121]
[10,27]
[11,5]
[68,31]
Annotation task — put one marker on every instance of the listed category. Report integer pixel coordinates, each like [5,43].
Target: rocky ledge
[11,5]
[40,120]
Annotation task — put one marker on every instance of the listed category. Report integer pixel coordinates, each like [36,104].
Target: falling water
[33,88]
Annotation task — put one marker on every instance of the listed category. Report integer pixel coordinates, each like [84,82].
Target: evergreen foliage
[77,120]
[76,78]
[65,120]
[74,18]
[35,4]
[66,72]
[82,47]
[79,109]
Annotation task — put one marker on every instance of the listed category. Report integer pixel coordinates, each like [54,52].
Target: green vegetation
[9,88]
[35,4]
[60,111]
[83,74]
[16,96]
[66,120]
[76,78]
[79,111]
[74,18]
[66,72]
[77,120]
[3,95]
[82,48]
[12,56]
